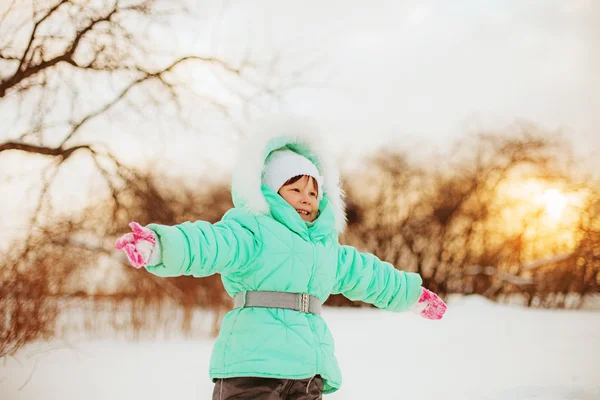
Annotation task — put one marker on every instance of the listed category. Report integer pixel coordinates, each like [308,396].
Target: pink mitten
[138,245]
[430,305]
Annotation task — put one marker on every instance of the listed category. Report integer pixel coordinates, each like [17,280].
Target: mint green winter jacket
[263,244]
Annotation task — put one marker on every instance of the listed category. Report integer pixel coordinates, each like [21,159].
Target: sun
[554,202]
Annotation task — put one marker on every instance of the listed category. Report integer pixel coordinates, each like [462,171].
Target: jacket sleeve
[201,249]
[362,276]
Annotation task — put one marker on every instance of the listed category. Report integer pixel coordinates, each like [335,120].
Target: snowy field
[479,351]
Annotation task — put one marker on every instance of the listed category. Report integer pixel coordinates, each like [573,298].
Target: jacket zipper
[312,273]
[313,266]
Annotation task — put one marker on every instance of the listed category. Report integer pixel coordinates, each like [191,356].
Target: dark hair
[296,178]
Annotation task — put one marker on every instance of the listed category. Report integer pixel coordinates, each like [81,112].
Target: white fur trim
[246,180]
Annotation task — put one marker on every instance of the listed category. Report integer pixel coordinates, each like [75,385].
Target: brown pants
[246,388]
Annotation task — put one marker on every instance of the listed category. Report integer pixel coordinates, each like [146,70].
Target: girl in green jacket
[279,257]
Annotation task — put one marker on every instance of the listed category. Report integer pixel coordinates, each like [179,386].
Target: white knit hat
[283,165]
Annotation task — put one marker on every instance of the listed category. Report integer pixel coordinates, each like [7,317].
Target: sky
[411,75]
[420,74]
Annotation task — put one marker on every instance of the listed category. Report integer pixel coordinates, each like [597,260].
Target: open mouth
[302,212]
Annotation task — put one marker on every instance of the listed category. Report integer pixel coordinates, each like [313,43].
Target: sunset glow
[554,202]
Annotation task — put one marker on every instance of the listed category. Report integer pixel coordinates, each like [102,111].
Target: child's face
[303,196]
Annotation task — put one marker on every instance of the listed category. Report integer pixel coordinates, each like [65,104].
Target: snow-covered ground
[479,351]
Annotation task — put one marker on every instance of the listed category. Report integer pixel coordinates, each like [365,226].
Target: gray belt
[294,301]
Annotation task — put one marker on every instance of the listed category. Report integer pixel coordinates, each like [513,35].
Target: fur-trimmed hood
[275,133]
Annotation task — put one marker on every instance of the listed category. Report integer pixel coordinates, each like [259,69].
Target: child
[278,255]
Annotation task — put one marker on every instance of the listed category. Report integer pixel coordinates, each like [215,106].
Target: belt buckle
[304,303]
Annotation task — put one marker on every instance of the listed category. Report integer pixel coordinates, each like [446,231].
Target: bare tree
[73,71]
[568,280]
[458,222]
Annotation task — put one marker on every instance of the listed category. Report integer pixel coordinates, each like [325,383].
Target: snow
[479,351]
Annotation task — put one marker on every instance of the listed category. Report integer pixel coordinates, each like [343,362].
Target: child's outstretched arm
[201,248]
[362,276]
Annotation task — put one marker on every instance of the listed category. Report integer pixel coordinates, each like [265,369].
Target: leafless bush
[458,224]
[30,278]
[73,258]
[573,276]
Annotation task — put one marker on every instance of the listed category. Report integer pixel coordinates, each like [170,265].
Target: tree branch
[32,36]
[26,70]
[8,58]
[43,150]
[148,75]
[61,151]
